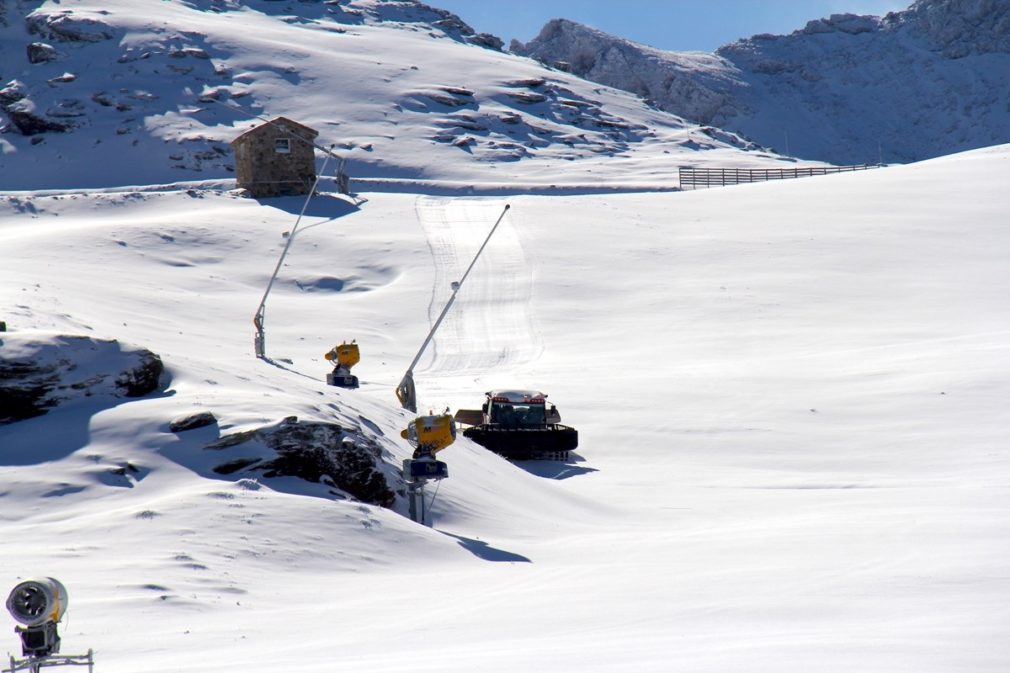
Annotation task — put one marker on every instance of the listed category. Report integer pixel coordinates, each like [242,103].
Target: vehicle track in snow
[490,324]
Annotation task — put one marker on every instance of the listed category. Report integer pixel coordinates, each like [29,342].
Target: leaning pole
[405,392]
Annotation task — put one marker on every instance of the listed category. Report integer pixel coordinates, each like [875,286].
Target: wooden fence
[695,178]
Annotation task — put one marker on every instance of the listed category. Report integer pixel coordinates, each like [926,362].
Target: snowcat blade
[525,444]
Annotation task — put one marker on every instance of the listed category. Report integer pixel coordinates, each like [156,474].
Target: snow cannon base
[342,380]
[424,468]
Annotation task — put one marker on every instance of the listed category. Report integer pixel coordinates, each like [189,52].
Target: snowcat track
[551,443]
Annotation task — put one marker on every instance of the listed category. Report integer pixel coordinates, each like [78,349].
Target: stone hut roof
[296,128]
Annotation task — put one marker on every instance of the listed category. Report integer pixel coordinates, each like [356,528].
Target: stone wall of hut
[264,170]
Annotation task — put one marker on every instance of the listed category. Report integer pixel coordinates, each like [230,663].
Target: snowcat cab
[520,425]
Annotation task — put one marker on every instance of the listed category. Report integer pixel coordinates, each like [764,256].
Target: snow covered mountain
[141,90]
[790,396]
[931,80]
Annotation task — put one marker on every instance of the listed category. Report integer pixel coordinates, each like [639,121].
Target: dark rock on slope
[41,371]
[315,451]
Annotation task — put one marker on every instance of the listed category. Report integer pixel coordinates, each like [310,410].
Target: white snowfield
[791,399]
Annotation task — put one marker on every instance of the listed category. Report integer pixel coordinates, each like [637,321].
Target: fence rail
[695,178]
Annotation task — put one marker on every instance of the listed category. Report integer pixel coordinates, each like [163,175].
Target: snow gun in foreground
[519,425]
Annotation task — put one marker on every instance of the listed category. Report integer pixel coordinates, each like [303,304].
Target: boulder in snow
[316,451]
[198,420]
[39,371]
[40,52]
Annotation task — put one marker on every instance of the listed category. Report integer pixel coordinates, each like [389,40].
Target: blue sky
[676,25]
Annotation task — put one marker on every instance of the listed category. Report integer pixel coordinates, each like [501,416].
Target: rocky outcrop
[39,372]
[200,419]
[412,11]
[698,84]
[67,26]
[958,28]
[25,117]
[316,451]
[12,92]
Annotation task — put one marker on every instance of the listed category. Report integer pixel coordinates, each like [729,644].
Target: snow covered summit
[931,80]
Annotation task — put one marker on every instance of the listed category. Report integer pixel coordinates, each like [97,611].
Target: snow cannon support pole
[405,391]
[415,492]
[259,341]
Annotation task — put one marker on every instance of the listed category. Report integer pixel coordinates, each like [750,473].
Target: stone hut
[276,159]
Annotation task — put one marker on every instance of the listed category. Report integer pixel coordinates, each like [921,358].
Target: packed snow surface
[790,397]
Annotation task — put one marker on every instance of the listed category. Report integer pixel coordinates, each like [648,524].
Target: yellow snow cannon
[428,435]
[343,357]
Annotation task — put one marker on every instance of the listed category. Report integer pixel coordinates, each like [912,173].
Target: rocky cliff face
[928,81]
[959,28]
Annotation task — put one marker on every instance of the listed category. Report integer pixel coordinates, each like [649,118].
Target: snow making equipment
[519,425]
[343,357]
[39,605]
[259,319]
[428,435]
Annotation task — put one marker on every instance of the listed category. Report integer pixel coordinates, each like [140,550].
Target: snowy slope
[790,397]
[848,89]
[141,90]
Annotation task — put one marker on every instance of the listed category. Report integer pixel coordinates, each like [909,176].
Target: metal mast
[405,392]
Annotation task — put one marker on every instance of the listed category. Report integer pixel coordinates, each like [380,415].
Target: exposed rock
[24,117]
[41,371]
[316,451]
[143,377]
[193,52]
[851,24]
[65,78]
[457,91]
[68,27]
[958,28]
[40,52]
[14,91]
[527,96]
[198,420]
[669,79]
[488,41]
[446,99]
